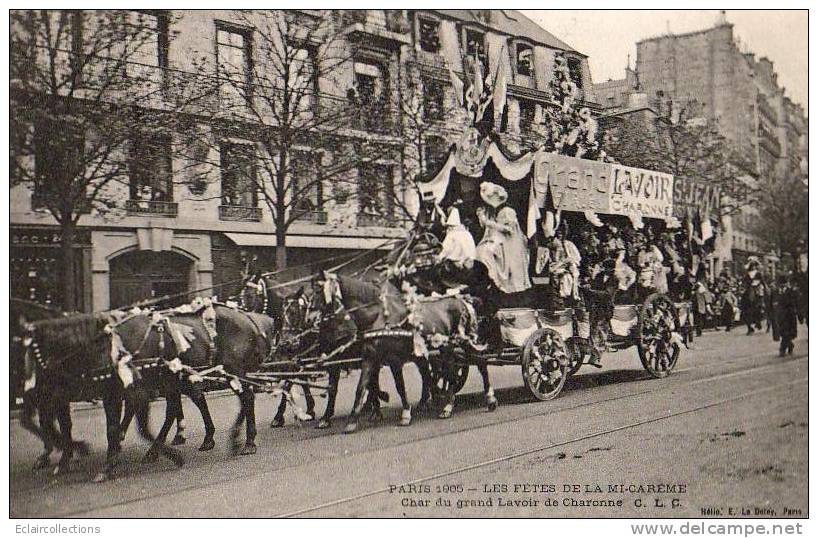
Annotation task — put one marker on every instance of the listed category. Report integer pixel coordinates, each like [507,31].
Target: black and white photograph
[408,263]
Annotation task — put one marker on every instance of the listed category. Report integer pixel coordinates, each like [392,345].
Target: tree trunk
[281,249]
[67,277]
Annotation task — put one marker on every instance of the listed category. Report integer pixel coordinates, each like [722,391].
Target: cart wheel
[545,364]
[460,374]
[658,348]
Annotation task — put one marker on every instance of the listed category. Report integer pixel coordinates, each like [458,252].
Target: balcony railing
[239,212]
[152,208]
[314,216]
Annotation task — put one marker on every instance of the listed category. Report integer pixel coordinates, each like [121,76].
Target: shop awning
[311,241]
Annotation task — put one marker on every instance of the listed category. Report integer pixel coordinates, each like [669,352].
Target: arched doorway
[144,274]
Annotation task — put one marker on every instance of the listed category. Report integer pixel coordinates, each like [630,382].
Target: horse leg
[139,400]
[374,396]
[249,403]
[235,429]
[173,401]
[448,390]
[197,397]
[491,400]
[69,445]
[278,419]
[112,404]
[426,383]
[400,385]
[360,396]
[30,407]
[332,392]
[310,402]
[126,421]
[180,438]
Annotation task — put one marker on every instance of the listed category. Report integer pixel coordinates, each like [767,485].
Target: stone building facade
[737,92]
[188,238]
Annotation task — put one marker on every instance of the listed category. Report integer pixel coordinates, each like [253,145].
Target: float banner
[576,184]
[642,193]
[690,194]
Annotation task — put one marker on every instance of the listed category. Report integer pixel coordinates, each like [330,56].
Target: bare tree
[280,73]
[687,145]
[82,83]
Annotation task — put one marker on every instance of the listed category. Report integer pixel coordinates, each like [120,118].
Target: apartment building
[168,233]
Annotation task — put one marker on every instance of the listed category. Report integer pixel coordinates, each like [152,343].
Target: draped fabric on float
[516,174]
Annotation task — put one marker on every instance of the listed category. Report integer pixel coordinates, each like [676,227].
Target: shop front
[35,262]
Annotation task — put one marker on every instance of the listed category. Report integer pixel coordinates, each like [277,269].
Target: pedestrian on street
[728,308]
[786,314]
[700,305]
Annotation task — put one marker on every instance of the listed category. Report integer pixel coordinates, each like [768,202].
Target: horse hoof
[208,444]
[150,457]
[249,449]
[278,422]
[405,422]
[323,424]
[60,469]
[492,406]
[100,477]
[352,427]
[178,440]
[176,457]
[376,417]
[445,413]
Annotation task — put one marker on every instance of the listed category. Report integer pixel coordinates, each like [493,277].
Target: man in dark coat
[786,314]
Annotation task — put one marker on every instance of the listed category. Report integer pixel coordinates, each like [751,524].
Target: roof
[511,22]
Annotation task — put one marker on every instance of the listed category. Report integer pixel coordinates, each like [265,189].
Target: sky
[607,37]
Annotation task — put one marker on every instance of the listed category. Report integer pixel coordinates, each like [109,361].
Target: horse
[291,328]
[339,328]
[22,312]
[387,341]
[68,359]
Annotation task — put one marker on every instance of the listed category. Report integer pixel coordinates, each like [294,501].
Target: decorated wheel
[457,376]
[545,364]
[659,341]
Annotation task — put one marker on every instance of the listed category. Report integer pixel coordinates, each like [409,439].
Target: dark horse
[68,359]
[292,328]
[23,312]
[381,317]
[238,345]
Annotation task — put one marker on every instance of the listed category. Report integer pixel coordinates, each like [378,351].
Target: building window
[238,163]
[575,69]
[525,60]
[370,83]
[376,189]
[154,38]
[475,45]
[234,58]
[434,92]
[429,35]
[58,159]
[305,184]
[435,153]
[528,112]
[150,167]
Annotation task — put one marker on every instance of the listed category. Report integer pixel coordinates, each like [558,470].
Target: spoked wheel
[659,339]
[545,364]
[456,377]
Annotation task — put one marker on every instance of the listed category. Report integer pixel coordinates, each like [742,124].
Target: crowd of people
[580,262]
